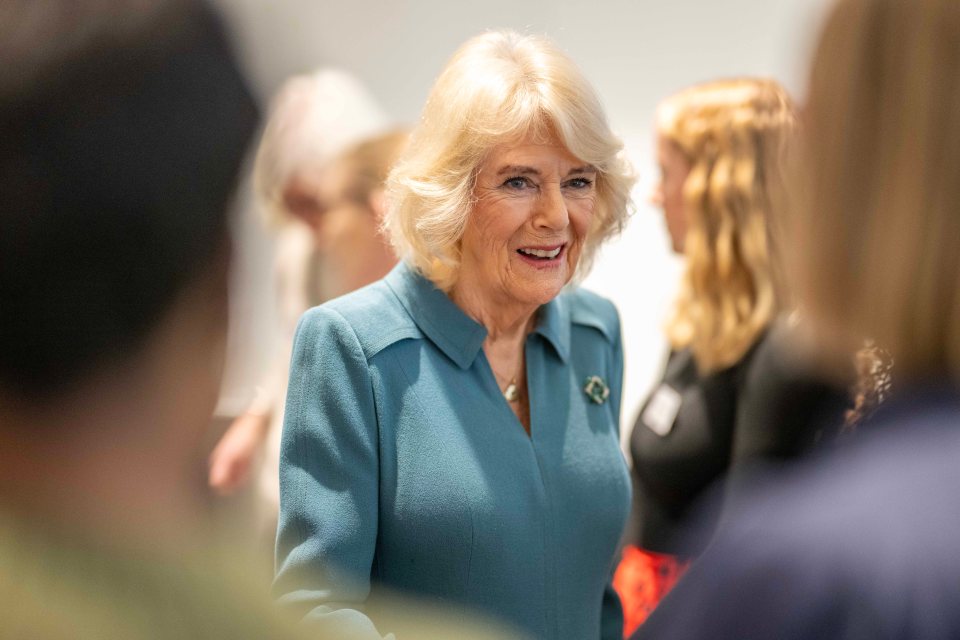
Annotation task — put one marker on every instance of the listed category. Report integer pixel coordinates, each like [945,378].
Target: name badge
[661,411]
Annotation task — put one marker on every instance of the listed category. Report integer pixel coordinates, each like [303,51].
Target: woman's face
[534,206]
[668,194]
[303,198]
[354,252]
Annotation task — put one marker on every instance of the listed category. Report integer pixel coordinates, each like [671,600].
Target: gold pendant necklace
[511,392]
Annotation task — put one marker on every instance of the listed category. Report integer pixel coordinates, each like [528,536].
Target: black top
[694,429]
[855,541]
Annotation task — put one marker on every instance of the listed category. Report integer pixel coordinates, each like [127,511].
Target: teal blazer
[402,464]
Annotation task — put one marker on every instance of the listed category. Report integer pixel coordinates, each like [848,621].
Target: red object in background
[641,580]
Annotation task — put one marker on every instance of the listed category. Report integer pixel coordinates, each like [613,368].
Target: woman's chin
[541,280]
[539,291]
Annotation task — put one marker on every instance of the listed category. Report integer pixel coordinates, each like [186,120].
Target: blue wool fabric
[403,465]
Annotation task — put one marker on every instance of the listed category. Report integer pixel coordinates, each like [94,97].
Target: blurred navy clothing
[403,465]
[860,542]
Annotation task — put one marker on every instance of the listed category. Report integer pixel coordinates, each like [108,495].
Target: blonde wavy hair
[733,134]
[497,88]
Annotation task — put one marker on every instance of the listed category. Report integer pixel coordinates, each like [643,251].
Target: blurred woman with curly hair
[729,393]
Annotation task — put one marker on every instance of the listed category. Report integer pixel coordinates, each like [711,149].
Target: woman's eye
[580,183]
[518,182]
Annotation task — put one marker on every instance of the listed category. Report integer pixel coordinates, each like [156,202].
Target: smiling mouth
[544,254]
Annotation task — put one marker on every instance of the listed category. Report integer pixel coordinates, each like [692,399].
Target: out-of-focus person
[123,126]
[325,201]
[452,430]
[120,143]
[355,251]
[860,541]
[729,394]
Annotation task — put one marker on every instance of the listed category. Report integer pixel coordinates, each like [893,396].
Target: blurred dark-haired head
[878,237]
[123,125]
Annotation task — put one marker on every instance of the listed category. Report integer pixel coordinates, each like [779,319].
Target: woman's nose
[656,196]
[552,210]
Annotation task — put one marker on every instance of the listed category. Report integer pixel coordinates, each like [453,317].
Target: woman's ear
[377,202]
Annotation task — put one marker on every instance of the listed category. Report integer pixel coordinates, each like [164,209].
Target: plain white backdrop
[635,53]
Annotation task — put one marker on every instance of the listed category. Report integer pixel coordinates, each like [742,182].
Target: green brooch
[597,390]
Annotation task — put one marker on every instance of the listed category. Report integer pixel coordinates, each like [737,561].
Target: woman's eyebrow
[521,170]
[518,170]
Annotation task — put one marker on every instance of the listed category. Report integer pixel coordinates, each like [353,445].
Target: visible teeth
[542,254]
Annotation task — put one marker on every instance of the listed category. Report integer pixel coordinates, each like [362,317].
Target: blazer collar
[553,324]
[455,333]
[458,335]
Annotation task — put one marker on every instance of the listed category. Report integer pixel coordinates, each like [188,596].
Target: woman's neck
[508,326]
[504,321]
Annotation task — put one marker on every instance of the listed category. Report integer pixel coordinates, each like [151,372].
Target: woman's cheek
[583,220]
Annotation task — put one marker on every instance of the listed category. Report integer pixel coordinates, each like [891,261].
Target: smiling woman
[521,245]
[450,428]
[534,207]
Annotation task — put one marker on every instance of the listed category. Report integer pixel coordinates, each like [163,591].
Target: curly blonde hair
[733,134]
[497,88]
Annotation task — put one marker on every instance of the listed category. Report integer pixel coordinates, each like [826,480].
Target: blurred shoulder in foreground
[859,542]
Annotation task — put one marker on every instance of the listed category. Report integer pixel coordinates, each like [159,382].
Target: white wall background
[635,52]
